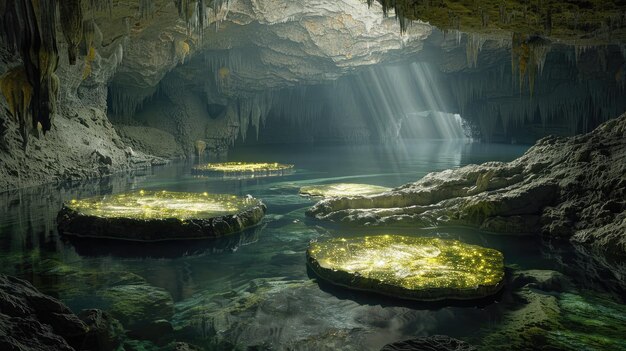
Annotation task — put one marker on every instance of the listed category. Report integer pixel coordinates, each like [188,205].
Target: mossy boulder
[426,269]
[159,216]
[547,313]
[137,306]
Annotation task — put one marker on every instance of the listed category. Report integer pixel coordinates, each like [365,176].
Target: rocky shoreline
[561,188]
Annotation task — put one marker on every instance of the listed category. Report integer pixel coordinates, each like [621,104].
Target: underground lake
[185,175]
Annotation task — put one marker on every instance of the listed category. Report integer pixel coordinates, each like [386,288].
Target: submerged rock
[427,269]
[430,343]
[140,308]
[105,332]
[546,311]
[342,189]
[155,216]
[30,320]
[562,187]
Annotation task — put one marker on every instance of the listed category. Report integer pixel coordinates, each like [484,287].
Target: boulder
[562,187]
[30,320]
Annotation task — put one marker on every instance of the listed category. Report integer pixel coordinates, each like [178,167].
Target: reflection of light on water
[412,262]
[342,189]
[244,167]
[163,204]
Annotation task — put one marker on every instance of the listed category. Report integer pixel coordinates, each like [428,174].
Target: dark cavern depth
[185,175]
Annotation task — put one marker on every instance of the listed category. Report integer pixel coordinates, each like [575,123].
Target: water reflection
[253,288]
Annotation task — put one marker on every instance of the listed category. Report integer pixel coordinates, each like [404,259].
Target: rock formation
[170,73]
[430,343]
[562,188]
[423,269]
[160,215]
[30,320]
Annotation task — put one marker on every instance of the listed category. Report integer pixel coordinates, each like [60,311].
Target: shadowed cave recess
[382,136]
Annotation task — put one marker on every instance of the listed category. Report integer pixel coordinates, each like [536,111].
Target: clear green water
[254,288]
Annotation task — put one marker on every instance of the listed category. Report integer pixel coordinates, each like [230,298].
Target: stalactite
[146,8]
[18,93]
[30,28]
[126,100]
[578,104]
[101,5]
[472,48]
[399,7]
[89,29]
[71,16]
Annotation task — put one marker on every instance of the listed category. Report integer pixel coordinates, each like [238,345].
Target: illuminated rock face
[426,269]
[342,189]
[159,215]
[244,169]
[561,187]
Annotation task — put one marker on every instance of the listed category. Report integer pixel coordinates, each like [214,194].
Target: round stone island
[252,169]
[159,215]
[342,189]
[414,268]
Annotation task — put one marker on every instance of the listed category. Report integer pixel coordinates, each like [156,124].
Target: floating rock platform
[159,215]
[235,169]
[342,189]
[414,268]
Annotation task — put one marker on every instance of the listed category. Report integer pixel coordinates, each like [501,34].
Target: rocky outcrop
[545,309]
[562,187]
[30,320]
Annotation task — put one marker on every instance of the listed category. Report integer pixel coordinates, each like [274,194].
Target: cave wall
[150,80]
[82,142]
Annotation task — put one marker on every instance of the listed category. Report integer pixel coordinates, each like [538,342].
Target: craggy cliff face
[135,80]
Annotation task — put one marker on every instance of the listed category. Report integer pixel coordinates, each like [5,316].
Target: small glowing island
[253,169]
[342,189]
[159,215]
[424,269]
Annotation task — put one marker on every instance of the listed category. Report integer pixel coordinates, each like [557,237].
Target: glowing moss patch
[425,269]
[342,189]
[160,215]
[244,168]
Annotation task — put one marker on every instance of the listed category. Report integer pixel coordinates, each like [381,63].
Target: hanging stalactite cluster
[29,28]
[400,7]
[146,8]
[528,55]
[31,90]
[71,14]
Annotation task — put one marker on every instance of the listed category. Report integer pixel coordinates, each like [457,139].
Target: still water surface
[254,288]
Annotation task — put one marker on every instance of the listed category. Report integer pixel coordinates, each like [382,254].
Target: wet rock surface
[551,313]
[30,320]
[430,343]
[562,187]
